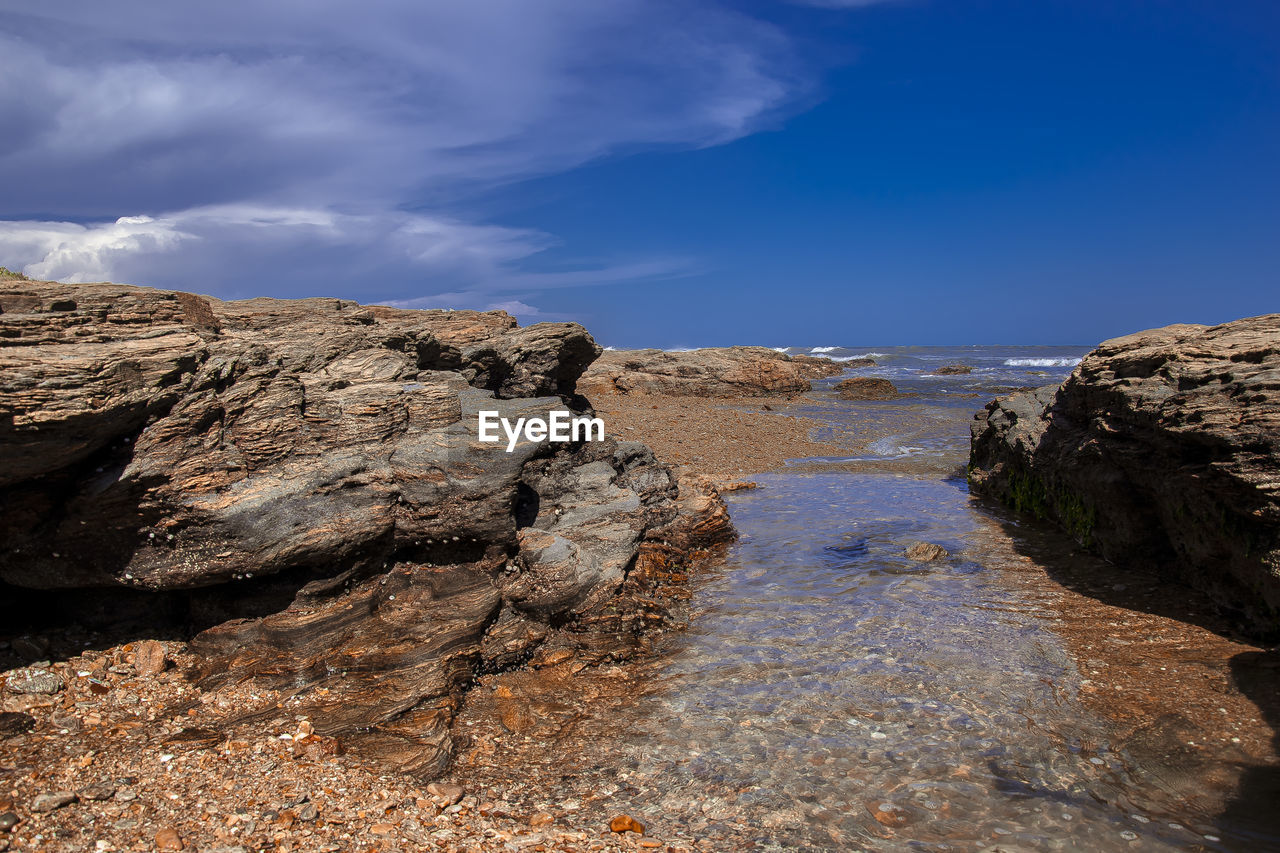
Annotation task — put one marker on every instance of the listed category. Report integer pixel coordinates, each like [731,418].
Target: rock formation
[1162,447]
[715,372]
[867,388]
[953,370]
[304,478]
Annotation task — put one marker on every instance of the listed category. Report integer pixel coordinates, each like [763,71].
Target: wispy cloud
[163,143]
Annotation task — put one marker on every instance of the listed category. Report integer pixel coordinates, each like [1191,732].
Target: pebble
[169,839]
[149,658]
[50,802]
[101,791]
[308,812]
[382,829]
[8,820]
[542,819]
[445,793]
[40,681]
[626,823]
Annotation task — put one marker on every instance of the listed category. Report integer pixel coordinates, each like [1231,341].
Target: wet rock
[149,658]
[8,820]
[927,552]
[889,814]
[169,839]
[867,388]
[1160,450]
[714,372]
[51,802]
[37,681]
[626,823]
[15,723]
[953,370]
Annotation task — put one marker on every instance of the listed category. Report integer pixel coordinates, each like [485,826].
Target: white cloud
[385,256]
[296,135]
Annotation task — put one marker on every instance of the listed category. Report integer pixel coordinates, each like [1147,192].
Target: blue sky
[667,173]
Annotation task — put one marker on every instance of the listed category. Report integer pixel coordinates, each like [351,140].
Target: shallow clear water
[833,694]
[850,696]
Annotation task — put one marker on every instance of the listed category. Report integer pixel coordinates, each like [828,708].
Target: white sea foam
[1041,362]
[855,357]
[823,349]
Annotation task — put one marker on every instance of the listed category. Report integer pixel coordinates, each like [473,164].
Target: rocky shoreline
[1159,451]
[286,496]
[442,676]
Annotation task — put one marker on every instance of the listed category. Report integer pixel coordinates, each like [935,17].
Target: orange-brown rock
[169,839]
[149,658]
[867,388]
[626,823]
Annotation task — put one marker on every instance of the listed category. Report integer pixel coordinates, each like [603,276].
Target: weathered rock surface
[1162,448]
[867,388]
[305,476]
[714,372]
[926,552]
[953,370]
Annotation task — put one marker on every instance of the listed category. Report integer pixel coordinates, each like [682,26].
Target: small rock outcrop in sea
[305,477]
[716,372]
[860,362]
[867,388]
[953,370]
[926,552]
[1162,448]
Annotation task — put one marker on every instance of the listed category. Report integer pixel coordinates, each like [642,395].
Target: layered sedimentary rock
[714,372]
[867,388]
[306,476]
[1162,447]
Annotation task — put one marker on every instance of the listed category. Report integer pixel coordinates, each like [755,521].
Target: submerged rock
[713,372]
[305,478]
[867,388]
[953,370]
[926,552]
[1162,448]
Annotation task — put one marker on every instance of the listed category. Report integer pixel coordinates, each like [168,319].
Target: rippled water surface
[833,694]
[854,697]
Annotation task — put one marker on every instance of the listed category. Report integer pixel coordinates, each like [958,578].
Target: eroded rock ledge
[712,372]
[303,479]
[1162,448]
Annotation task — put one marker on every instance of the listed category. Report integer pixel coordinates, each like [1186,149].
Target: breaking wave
[1041,362]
